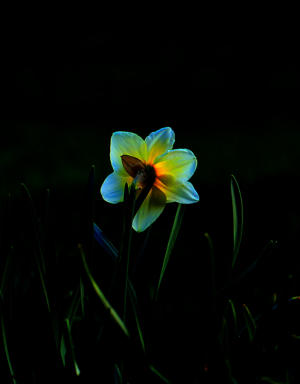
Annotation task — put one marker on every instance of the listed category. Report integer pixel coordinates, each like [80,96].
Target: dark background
[232,98]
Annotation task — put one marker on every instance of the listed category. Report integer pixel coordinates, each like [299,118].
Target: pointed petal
[183,193]
[159,142]
[112,189]
[180,163]
[126,143]
[150,210]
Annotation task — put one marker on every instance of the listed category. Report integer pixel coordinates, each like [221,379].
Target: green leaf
[213,271]
[81,296]
[76,368]
[133,300]
[250,322]
[6,350]
[39,255]
[101,295]
[103,241]
[238,217]
[63,350]
[5,272]
[234,315]
[117,375]
[172,239]
[158,374]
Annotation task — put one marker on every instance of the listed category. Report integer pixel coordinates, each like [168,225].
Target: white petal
[150,210]
[183,193]
[159,142]
[179,163]
[112,189]
[126,143]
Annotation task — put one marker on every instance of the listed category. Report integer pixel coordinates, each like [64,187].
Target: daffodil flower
[150,163]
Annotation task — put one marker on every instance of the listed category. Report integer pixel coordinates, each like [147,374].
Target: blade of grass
[90,213]
[124,260]
[117,375]
[234,315]
[213,271]
[81,296]
[5,272]
[250,322]
[103,241]
[6,350]
[133,300]
[75,365]
[101,295]
[39,256]
[63,350]
[238,217]
[172,239]
[158,374]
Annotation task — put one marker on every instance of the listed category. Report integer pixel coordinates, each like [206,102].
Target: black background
[231,97]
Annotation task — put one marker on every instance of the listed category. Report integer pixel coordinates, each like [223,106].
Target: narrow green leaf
[101,295]
[213,270]
[234,315]
[269,380]
[250,322]
[172,239]
[117,375]
[63,350]
[39,255]
[6,350]
[5,272]
[103,241]
[71,314]
[76,368]
[133,300]
[82,296]
[158,374]
[238,217]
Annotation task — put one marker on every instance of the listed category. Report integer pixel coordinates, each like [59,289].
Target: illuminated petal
[159,142]
[150,210]
[180,163]
[183,193]
[126,143]
[112,189]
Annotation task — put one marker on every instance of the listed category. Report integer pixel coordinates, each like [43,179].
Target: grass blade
[105,243]
[158,374]
[238,217]
[133,300]
[5,272]
[250,322]
[6,350]
[101,295]
[81,296]
[172,239]
[63,350]
[76,368]
[117,375]
[234,315]
[213,272]
[39,255]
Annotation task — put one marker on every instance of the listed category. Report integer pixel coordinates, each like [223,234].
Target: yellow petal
[150,210]
[159,142]
[126,143]
[178,163]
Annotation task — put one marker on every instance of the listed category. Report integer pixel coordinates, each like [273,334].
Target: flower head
[154,164]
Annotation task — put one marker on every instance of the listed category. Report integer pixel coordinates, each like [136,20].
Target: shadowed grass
[101,295]
[171,242]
